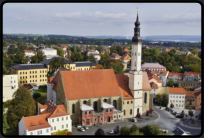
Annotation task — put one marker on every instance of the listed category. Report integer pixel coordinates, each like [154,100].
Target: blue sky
[94,19]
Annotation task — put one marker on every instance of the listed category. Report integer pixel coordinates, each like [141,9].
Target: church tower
[135,73]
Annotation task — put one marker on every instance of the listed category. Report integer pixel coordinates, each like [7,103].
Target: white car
[82,129]
[111,132]
[134,120]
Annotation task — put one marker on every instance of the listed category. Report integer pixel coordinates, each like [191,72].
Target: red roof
[177,90]
[65,52]
[152,76]
[192,93]
[126,49]
[153,85]
[90,83]
[191,73]
[126,57]
[175,74]
[29,51]
[41,121]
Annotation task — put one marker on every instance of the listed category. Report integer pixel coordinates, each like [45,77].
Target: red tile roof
[65,52]
[89,83]
[191,73]
[126,49]
[152,76]
[28,86]
[175,74]
[153,85]
[126,57]
[41,121]
[29,51]
[177,90]
[192,93]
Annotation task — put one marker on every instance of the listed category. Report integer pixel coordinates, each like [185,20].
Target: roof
[85,63]
[163,72]
[191,73]
[123,82]
[29,51]
[41,121]
[29,66]
[126,49]
[65,52]
[106,105]
[192,93]
[153,85]
[86,108]
[28,86]
[126,57]
[175,74]
[177,90]
[47,48]
[152,76]
[46,62]
[115,55]
[89,83]
[178,131]
[152,65]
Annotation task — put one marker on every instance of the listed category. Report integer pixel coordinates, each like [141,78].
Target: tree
[60,52]
[11,50]
[4,70]
[170,83]
[42,99]
[77,57]
[20,58]
[116,130]
[125,130]
[165,99]
[194,51]
[36,95]
[190,113]
[30,48]
[22,105]
[100,49]
[117,66]
[55,64]
[137,133]
[98,66]
[158,98]
[99,132]
[92,59]
[20,48]
[5,124]
[104,58]
[40,56]
[150,130]
[117,49]
[61,132]
[133,128]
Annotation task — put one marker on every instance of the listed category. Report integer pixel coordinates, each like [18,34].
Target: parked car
[111,132]
[174,112]
[134,120]
[78,126]
[82,129]
[179,116]
[86,127]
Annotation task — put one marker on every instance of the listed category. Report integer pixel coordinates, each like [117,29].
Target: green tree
[20,58]
[117,49]
[60,52]
[77,57]
[4,70]
[137,133]
[125,130]
[165,99]
[104,58]
[151,130]
[22,105]
[117,67]
[100,49]
[92,59]
[20,48]
[11,50]
[199,54]
[30,48]
[55,64]
[170,83]
[133,128]
[158,98]
[61,132]
[5,124]
[194,51]
[99,132]
[40,56]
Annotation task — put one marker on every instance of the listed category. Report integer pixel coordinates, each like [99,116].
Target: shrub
[36,95]
[99,132]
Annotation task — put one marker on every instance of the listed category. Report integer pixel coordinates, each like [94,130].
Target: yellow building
[36,74]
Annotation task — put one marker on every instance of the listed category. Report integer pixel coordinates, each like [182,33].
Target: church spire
[136,38]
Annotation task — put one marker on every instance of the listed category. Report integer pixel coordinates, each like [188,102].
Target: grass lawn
[41,92]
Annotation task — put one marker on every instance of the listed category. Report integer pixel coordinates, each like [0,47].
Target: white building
[29,53]
[176,97]
[51,118]
[92,52]
[49,52]
[10,85]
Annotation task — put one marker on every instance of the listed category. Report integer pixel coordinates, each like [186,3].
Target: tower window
[135,63]
[135,54]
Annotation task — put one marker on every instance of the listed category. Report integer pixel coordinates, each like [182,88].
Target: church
[101,96]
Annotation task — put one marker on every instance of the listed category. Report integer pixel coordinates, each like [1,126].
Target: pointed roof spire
[136,38]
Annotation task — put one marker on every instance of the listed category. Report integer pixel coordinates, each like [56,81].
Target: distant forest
[65,39]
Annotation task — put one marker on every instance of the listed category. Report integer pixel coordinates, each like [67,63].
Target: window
[66,117]
[51,128]
[52,120]
[62,126]
[47,130]
[14,81]
[101,118]
[38,132]
[179,101]
[11,81]
[35,80]
[35,71]
[14,86]
[187,102]
[170,100]
[131,102]
[110,110]
[124,112]
[30,76]
[25,72]
[23,81]
[145,98]
[20,72]
[40,71]
[62,118]
[127,102]
[85,112]
[131,111]
[176,100]
[89,112]
[200,103]
[199,98]
[30,72]
[114,116]
[20,81]
[106,110]
[73,108]
[173,100]
[57,119]
[180,96]
[54,127]
[115,104]
[119,116]
[85,102]
[182,105]
[183,96]
[66,125]
[36,76]
[40,75]
[174,96]
[20,77]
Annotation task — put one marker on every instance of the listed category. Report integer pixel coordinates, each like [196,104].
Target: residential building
[177,97]
[92,52]
[65,53]
[64,47]
[35,74]
[197,88]
[126,51]
[29,53]
[115,56]
[187,52]
[49,52]
[10,85]
[176,77]
[126,58]
[193,100]
[50,118]
[153,66]
[162,74]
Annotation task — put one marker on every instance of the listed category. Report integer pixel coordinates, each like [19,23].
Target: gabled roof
[46,62]
[175,74]
[89,84]
[153,85]
[85,63]
[152,76]
[115,55]
[28,86]
[126,57]
[152,65]
[177,90]
[126,49]
[192,93]
[29,66]
[195,74]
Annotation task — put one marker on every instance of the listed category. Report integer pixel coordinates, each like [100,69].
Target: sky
[95,19]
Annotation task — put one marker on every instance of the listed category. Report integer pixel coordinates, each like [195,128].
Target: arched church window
[73,108]
[135,54]
[145,98]
[115,104]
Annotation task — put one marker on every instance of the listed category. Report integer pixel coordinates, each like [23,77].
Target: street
[166,120]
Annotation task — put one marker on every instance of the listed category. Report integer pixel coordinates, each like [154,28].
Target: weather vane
[137,9]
